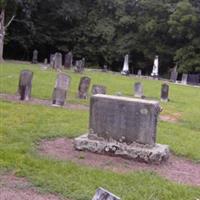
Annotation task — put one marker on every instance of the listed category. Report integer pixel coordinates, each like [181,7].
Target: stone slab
[143,153]
[124,119]
[102,194]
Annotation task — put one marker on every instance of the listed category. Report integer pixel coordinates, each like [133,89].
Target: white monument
[155,67]
[125,70]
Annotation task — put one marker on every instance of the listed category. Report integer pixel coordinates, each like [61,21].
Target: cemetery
[99,100]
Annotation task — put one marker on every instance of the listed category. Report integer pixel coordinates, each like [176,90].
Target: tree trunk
[2,33]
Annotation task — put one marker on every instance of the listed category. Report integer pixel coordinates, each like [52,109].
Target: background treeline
[103,31]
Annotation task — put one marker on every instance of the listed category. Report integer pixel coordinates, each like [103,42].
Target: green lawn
[23,125]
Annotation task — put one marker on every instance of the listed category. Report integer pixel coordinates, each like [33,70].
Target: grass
[22,126]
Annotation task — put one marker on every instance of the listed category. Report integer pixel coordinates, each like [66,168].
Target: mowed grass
[22,126]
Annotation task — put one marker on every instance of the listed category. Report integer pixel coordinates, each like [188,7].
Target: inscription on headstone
[61,88]
[138,89]
[165,92]
[83,87]
[98,89]
[25,84]
[102,194]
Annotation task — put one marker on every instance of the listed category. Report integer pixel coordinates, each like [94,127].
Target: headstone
[139,73]
[58,61]
[102,194]
[61,88]
[98,89]
[174,74]
[52,60]
[155,67]
[79,65]
[165,92]
[138,90]
[125,127]
[125,70]
[184,79]
[35,57]
[25,84]
[68,60]
[45,61]
[83,87]
[105,68]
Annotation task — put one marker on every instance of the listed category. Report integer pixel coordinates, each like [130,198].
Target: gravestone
[35,57]
[105,68]
[102,194]
[68,60]
[25,84]
[122,126]
[165,92]
[61,88]
[184,79]
[98,89]
[83,87]
[174,74]
[45,61]
[155,67]
[125,70]
[58,61]
[139,73]
[138,90]
[78,66]
[52,60]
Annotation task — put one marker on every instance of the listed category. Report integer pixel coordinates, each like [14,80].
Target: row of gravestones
[60,89]
[63,83]
[164,96]
[56,61]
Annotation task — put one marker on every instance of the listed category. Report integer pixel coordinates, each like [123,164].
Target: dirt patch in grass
[175,169]
[35,101]
[14,188]
[172,118]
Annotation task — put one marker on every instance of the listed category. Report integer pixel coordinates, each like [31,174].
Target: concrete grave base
[145,153]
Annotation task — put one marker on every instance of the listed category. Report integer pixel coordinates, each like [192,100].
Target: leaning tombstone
[35,57]
[154,73]
[98,89]
[125,127]
[184,79]
[102,194]
[165,92]
[25,85]
[68,60]
[83,87]
[138,90]
[58,61]
[60,90]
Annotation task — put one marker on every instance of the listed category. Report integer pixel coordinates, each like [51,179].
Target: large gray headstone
[102,194]
[61,88]
[165,92]
[83,87]
[124,119]
[58,61]
[68,60]
[98,89]
[35,57]
[184,79]
[138,90]
[25,84]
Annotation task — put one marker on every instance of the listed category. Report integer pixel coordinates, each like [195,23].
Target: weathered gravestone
[125,127]
[83,87]
[61,88]
[184,79]
[105,68]
[98,89]
[52,60]
[35,57]
[174,74]
[139,73]
[102,194]
[138,90]
[58,61]
[68,60]
[165,92]
[25,84]
[79,65]
[45,61]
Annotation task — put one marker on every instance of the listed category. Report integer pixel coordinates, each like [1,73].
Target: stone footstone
[142,153]
[102,194]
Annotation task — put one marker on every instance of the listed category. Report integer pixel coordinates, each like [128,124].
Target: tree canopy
[103,31]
